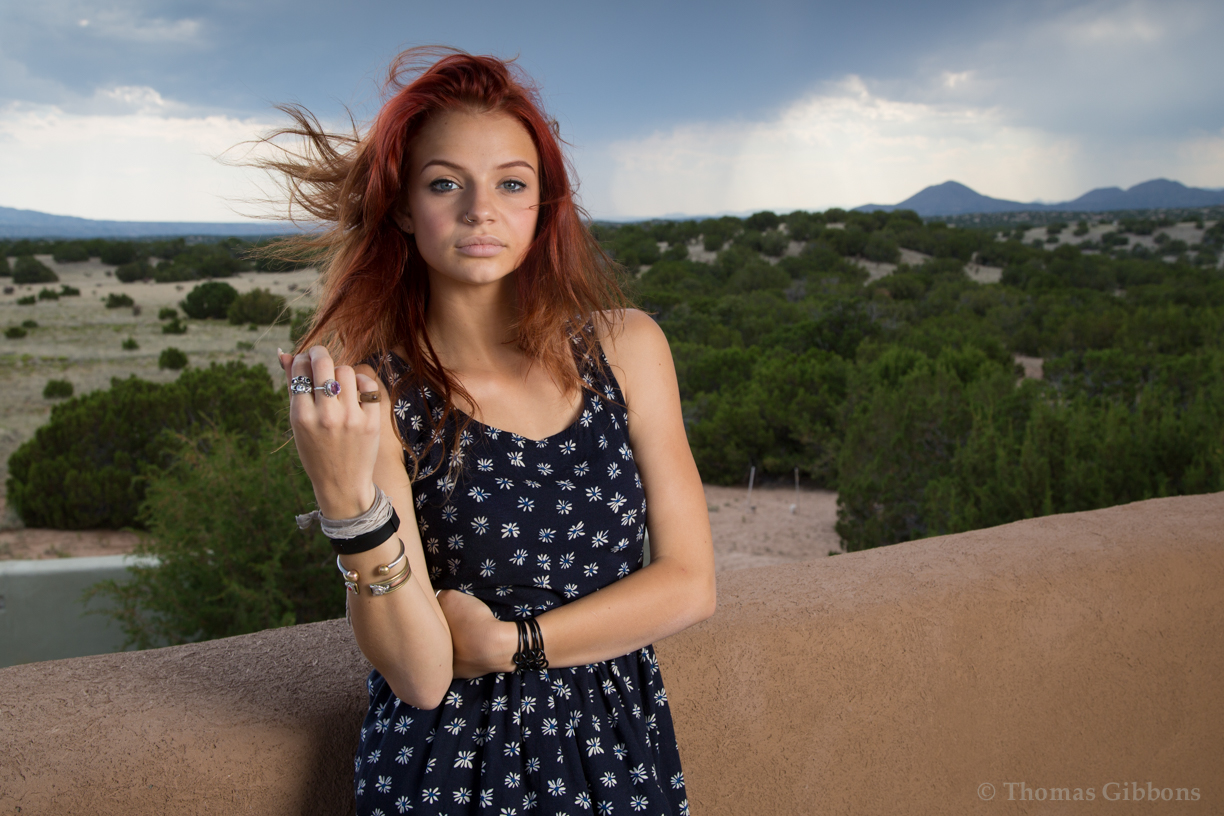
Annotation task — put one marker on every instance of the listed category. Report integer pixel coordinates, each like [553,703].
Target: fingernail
[279,353]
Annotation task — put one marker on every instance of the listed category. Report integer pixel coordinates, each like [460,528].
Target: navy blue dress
[525,526]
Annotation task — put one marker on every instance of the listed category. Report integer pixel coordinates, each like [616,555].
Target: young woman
[473,363]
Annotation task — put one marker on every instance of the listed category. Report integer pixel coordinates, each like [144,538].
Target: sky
[127,110]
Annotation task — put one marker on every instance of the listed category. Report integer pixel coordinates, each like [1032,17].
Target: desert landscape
[80,340]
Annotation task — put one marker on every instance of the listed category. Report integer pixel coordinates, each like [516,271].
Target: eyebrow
[453,166]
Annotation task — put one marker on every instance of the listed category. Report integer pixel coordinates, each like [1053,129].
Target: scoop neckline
[582,409]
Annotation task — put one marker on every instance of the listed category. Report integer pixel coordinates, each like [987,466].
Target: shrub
[29,324]
[14,332]
[85,467]
[29,269]
[28,300]
[130,344]
[243,345]
[48,294]
[69,291]
[135,271]
[258,306]
[762,221]
[70,252]
[773,243]
[57,389]
[167,313]
[118,253]
[881,248]
[230,559]
[174,326]
[116,300]
[210,299]
[172,358]
[302,319]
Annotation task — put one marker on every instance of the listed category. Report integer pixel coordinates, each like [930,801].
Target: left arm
[676,589]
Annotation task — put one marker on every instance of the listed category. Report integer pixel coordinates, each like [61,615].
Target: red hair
[375,287]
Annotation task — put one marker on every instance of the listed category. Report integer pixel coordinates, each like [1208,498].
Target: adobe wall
[1065,652]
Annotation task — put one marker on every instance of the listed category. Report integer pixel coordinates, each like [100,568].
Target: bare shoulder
[638,353]
[630,338]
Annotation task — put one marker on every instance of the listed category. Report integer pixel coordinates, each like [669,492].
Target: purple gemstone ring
[330,388]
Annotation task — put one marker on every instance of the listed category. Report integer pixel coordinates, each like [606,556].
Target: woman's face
[471,196]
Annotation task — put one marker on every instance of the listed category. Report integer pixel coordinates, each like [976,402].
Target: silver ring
[330,388]
[466,221]
[301,385]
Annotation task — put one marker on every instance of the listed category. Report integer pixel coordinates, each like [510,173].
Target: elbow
[707,604]
[423,698]
[423,694]
[704,599]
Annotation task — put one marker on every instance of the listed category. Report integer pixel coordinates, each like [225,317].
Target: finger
[322,369]
[368,392]
[301,404]
[285,361]
[348,385]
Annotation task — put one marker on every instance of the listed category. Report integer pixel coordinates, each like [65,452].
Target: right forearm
[403,633]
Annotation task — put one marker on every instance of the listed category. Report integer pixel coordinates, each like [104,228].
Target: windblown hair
[374,287]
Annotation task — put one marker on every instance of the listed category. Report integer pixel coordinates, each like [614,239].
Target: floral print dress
[527,525]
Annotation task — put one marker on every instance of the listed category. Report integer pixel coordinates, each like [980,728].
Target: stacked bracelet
[530,655]
[366,541]
[382,587]
[359,534]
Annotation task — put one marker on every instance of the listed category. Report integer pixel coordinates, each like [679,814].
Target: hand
[480,642]
[337,437]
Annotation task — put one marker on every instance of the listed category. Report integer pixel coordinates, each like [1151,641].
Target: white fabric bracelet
[367,522]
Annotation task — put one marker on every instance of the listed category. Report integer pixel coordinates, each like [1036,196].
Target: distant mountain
[33,224]
[950,198]
[953,198]
[1149,195]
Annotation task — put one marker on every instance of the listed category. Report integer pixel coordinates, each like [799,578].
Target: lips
[480,240]
[480,246]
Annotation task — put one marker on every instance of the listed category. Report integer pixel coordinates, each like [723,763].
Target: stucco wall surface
[1079,652]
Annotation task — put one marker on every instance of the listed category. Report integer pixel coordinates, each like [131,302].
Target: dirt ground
[778,526]
[78,339]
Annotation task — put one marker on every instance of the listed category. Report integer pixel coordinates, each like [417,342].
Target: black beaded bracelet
[530,655]
[366,541]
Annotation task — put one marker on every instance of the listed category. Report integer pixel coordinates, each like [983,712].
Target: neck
[472,326]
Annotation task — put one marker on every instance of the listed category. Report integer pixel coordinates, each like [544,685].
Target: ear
[404,220]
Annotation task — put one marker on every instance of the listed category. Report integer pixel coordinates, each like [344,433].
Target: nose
[479,207]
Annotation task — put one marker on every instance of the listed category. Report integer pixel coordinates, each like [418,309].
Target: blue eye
[514,186]
[443,185]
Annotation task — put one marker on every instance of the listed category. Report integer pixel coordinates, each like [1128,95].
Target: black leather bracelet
[366,541]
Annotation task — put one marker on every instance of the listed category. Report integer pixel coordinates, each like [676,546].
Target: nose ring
[466,220]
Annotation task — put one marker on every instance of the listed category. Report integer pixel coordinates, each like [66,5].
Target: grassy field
[80,340]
